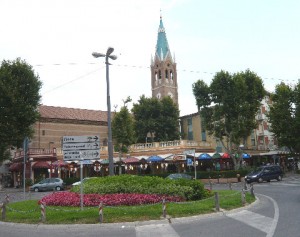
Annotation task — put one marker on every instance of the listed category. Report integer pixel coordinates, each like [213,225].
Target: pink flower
[118,199]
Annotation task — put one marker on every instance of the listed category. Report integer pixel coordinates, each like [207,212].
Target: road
[276,214]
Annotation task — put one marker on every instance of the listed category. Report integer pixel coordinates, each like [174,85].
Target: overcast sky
[57,37]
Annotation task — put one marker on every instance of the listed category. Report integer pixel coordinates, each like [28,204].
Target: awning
[131,160]
[246,156]
[155,159]
[16,167]
[60,163]
[204,156]
[225,156]
[41,165]
[216,155]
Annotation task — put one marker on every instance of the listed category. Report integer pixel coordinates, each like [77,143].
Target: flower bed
[118,199]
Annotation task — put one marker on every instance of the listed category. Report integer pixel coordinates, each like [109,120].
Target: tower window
[159,74]
[166,74]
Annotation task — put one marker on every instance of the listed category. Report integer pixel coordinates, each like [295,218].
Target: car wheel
[260,180]
[268,180]
[279,178]
[36,189]
[58,188]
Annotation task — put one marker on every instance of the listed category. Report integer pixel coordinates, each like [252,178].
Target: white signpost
[83,149]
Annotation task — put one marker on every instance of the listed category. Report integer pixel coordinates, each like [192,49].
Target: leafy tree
[284,116]
[122,129]
[228,107]
[19,100]
[157,117]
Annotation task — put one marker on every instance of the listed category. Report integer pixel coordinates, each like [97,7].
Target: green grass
[29,211]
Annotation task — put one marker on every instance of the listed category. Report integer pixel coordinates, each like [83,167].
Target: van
[265,173]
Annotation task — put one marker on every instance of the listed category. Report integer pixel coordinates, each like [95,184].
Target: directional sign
[81,147]
[77,139]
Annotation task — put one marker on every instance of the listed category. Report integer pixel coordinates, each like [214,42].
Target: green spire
[162,46]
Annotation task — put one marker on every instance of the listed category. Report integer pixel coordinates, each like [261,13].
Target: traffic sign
[81,147]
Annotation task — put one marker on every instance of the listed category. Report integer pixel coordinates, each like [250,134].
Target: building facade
[260,140]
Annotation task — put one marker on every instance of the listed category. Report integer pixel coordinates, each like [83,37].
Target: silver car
[48,184]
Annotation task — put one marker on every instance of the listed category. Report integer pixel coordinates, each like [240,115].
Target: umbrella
[216,155]
[59,163]
[246,156]
[131,160]
[155,159]
[225,156]
[104,162]
[204,156]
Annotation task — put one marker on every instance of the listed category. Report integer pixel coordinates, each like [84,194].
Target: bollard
[210,184]
[245,185]
[252,190]
[6,198]
[217,203]
[164,208]
[43,212]
[3,210]
[101,212]
[230,186]
[243,197]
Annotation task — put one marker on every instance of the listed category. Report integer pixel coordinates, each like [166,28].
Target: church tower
[163,69]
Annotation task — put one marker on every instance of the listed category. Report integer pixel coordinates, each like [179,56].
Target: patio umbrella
[216,155]
[155,159]
[131,160]
[225,156]
[59,163]
[204,156]
[104,162]
[246,156]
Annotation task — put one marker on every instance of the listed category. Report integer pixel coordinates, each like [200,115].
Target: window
[43,132]
[190,129]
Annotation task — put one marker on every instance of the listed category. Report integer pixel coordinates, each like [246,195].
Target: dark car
[48,184]
[265,173]
[179,176]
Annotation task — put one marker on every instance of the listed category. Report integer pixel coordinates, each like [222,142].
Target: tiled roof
[72,114]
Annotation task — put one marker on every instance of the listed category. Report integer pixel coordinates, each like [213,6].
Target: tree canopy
[19,100]
[159,118]
[228,107]
[122,128]
[284,116]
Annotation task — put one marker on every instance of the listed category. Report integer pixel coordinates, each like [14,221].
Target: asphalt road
[275,214]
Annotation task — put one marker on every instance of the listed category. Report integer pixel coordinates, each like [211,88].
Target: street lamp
[109,143]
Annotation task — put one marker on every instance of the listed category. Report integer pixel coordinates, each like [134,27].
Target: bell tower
[163,69]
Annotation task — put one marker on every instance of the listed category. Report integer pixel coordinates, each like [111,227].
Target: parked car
[83,180]
[179,176]
[265,173]
[48,185]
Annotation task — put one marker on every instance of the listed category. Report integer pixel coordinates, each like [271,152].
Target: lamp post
[109,143]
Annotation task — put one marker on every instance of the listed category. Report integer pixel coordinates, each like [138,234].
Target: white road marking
[154,230]
[260,222]
[252,219]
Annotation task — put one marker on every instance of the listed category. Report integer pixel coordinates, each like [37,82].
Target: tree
[284,116]
[159,118]
[228,108]
[122,130]
[19,100]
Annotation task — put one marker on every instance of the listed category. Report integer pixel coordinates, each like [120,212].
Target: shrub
[188,189]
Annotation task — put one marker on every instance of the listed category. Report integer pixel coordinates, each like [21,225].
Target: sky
[57,37]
